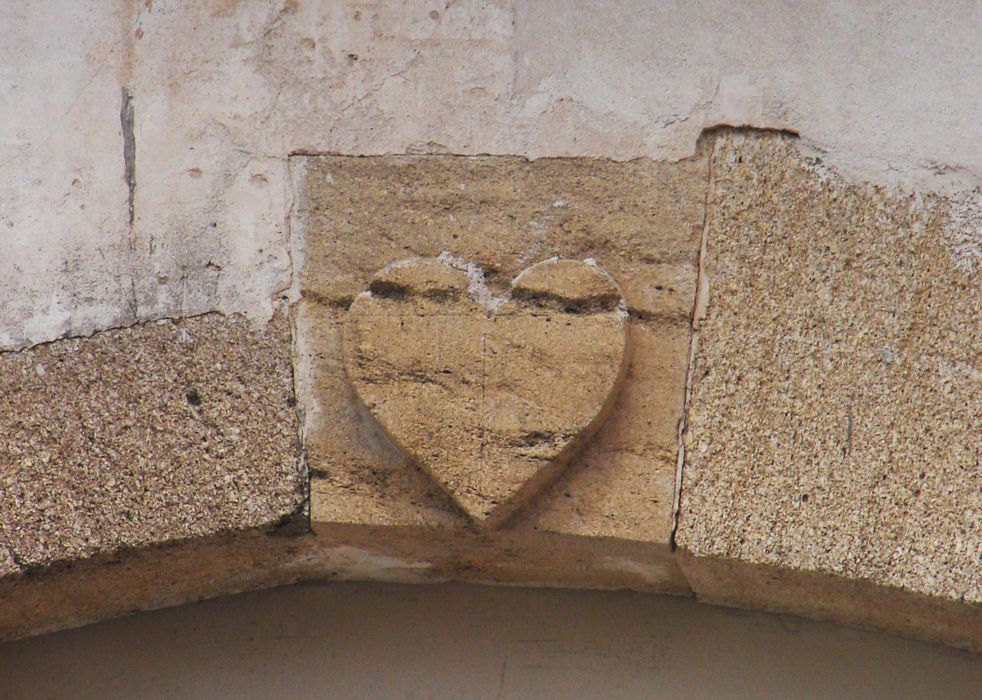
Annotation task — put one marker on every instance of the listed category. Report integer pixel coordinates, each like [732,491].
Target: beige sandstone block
[606,519]
[490,396]
[602,492]
[835,425]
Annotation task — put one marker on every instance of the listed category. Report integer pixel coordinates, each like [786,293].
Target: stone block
[834,428]
[161,432]
[502,214]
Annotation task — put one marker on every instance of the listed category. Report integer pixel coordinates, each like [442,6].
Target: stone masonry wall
[195,195]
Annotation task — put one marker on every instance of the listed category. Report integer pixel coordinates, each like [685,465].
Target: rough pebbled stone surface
[163,431]
[835,423]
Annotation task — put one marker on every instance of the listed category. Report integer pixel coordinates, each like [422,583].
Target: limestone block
[835,423]
[609,509]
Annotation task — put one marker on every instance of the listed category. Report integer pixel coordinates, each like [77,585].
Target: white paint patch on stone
[962,229]
[406,262]
[357,564]
[477,289]
[354,564]
[649,572]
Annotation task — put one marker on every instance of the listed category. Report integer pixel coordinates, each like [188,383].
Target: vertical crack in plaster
[699,308]
[126,118]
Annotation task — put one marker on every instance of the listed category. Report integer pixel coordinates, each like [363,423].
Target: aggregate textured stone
[641,221]
[835,423]
[163,431]
[491,396]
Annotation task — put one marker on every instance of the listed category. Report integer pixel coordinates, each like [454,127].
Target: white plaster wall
[63,198]
[470,642]
[224,91]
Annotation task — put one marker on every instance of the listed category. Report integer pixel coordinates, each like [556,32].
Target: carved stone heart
[490,395]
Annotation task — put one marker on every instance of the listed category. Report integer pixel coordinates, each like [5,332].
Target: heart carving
[490,395]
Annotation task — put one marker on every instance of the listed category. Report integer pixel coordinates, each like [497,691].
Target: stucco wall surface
[144,144]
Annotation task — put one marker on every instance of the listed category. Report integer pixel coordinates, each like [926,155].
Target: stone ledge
[847,601]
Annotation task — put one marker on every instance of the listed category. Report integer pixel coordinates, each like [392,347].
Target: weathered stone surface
[610,489]
[97,236]
[641,221]
[491,396]
[835,424]
[164,431]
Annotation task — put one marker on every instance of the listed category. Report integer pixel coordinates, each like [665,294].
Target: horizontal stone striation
[641,221]
[163,431]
